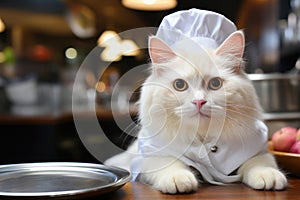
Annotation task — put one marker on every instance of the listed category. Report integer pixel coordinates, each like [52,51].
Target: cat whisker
[232,122]
[164,109]
[242,114]
[242,106]
[241,123]
[237,134]
[232,118]
[182,110]
[236,122]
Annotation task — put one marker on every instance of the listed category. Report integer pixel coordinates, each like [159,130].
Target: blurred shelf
[282,116]
[48,116]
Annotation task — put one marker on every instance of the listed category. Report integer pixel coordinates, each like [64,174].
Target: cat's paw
[179,181]
[265,178]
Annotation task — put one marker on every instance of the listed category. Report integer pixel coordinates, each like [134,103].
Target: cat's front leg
[261,172]
[168,175]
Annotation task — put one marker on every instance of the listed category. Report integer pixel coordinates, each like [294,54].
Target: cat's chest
[221,154]
[225,155]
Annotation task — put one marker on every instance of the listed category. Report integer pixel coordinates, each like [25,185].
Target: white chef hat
[207,28]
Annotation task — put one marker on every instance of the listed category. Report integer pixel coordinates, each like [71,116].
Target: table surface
[137,190]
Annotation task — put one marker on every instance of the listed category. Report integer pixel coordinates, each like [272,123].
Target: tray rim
[123,176]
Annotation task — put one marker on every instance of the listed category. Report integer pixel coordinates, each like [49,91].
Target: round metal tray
[59,180]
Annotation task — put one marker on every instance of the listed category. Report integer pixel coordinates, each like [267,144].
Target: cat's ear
[233,46]
[159,51]
[233,49]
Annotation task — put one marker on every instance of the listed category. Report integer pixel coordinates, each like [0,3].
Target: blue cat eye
[180,85]
[215,83]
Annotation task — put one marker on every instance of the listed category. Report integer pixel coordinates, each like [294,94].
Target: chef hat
[208,29]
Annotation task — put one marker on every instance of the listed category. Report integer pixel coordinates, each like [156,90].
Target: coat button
[214,149]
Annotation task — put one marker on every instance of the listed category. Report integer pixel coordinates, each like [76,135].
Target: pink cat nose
[199,103]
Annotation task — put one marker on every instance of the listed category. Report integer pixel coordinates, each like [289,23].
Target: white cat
[199,114]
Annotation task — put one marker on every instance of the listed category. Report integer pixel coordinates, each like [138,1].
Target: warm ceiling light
[2,26]
[150,5]
[115,47]
[129,48]
[105,36]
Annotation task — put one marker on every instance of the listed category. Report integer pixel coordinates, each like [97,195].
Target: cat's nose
[199,103]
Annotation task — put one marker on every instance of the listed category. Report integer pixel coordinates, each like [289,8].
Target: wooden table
[208,192]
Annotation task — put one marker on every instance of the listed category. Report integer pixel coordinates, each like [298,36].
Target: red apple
[284,138]
[295,147]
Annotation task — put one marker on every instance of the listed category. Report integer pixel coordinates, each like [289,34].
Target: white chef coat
[216,161]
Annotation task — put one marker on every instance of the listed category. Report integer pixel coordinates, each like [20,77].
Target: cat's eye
[180,85]
[215,83]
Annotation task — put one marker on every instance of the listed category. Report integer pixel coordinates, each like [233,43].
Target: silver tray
[59,180]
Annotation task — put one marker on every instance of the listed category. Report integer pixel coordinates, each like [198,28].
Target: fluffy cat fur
[228,113]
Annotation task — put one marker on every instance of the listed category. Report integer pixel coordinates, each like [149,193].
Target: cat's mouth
[203,114]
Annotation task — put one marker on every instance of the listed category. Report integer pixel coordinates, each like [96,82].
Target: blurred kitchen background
[43,44]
